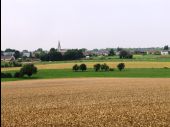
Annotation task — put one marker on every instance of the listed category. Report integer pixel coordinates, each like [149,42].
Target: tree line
[54,55]
[97,67]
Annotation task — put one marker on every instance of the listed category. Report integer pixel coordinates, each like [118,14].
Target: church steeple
[59,46]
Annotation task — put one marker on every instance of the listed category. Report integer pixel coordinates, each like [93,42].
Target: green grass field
[67,73]
[148,58]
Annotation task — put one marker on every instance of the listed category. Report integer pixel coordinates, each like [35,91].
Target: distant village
[12,54]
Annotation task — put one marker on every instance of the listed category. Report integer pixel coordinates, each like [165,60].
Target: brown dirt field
[90,65]
[86,102]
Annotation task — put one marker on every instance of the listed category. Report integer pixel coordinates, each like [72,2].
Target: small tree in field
[75,67]
[83,67]
[104,67]
[28,69]
[121,66]
[97,67]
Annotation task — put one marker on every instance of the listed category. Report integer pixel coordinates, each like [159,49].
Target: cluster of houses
[9,56]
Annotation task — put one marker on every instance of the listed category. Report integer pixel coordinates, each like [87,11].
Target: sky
[33,24]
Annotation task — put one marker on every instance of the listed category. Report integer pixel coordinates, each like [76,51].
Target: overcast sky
[32,24]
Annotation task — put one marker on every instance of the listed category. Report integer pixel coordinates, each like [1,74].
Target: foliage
[17,75]
[125,54]
[73,54]
[97,67]
[104,67]
[28,69]
[6,75]
[121,66]
[11,64]
[75,67]
[54,55]
[166,47]
[111,52]
[83,67]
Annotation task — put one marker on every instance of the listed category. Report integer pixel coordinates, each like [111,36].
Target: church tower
[59,46]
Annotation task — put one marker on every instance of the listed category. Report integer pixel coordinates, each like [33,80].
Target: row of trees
[54,55]
[97,67]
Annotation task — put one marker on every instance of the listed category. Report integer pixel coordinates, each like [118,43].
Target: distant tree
[9,50]
[111,52]
[166,47]
[73,54]
[28,69]
[121,66]
[83,67]
[104,67]
[55,56]
[53,50]
[125,54]
[75,67]
[17,54]
[97,67]
[44,57]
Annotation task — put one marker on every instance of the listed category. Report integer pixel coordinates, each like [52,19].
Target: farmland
[86,102]
[68,73]
[90,65]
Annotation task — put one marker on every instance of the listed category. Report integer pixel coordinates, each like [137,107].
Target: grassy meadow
[68,73]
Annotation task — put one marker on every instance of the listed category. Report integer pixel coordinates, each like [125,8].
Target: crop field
[90,65]
[86,102]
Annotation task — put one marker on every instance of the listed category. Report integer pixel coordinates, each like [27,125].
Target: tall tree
[166,47]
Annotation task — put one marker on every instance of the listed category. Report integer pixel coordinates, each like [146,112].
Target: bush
[121,66]
[97,67]
[17,75]
[75,67]
[2,75]
[83,67]
[104,67]
[111,69]
[17,64]
[6,75]
[28,69]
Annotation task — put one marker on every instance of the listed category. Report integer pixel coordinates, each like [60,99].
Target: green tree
[17,54]
[104,67]
[121,66]
[83,67]
[75,67]
[73,54]
[125,54]
[111,52]
[28,69]
[166,47]
[97,67]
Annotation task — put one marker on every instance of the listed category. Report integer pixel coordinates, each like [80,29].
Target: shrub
[2,75]
[17,64]
[6,75]
[104,67]
[111,69]
[121,66]
[17,75]
[28,69]
[83,67]
[97,67]
[75,67]
[165,67]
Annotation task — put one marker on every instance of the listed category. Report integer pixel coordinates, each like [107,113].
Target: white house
[164,52]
